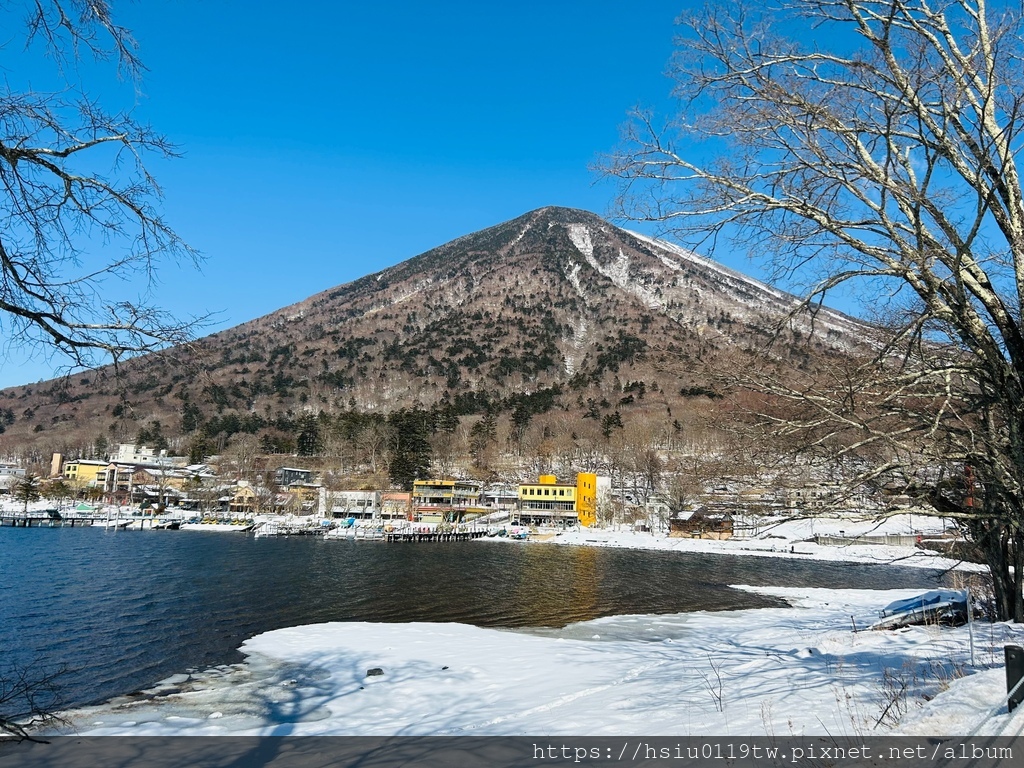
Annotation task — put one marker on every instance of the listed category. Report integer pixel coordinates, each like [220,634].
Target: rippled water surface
[124,609]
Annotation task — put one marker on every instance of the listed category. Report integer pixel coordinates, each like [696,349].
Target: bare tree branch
[878,151]
[79,210]
[29,698]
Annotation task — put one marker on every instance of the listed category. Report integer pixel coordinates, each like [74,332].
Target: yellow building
[548,502]
[83,472]
[305,497]
[586,498]
[243,501]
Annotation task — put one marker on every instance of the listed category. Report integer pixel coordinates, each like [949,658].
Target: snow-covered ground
[773,671]
[809,669]
[791,538]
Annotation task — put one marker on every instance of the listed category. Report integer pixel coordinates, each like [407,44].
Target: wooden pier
[433,536]
[46,518]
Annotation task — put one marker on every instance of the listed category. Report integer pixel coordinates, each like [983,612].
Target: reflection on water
[126,609]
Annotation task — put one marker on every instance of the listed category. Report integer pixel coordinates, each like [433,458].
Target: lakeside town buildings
[137,475]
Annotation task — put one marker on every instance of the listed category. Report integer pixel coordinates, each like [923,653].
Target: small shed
[702,523]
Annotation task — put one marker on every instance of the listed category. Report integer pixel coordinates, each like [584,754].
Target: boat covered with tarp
[938,606]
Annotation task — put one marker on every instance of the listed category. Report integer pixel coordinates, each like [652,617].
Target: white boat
[217,527]
[939,606]
[356,533]
[289,525]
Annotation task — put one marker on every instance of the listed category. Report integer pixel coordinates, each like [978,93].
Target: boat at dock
[356,533]
[289,525]
[240,526]
[153,524]
[420,536]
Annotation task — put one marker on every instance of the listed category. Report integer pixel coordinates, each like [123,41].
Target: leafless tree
[541,443]
[78,207]
[205,491]
[447,449]
[29,699]
[636,444]
[876,155]
[240,457]
[372,444]
[266,499]
[339,450]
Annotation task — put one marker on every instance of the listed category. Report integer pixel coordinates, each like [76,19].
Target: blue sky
[326,140]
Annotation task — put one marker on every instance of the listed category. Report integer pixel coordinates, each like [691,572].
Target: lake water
[122,610]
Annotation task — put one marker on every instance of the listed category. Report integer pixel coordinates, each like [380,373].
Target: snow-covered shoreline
[802,670]
[770,671]
[787,539]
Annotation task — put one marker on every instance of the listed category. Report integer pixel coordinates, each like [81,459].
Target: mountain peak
[564,213]
[556,309]
[557,214]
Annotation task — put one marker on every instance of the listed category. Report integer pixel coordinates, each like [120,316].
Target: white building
[9,476]
[361,505]
[131,453]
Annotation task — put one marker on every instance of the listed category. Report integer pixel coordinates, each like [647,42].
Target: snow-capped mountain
[556,301]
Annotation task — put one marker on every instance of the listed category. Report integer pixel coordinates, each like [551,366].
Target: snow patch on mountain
[580,236]
[518,237]
[580,329]
[752,295]
[617,271]
[580,326]
[687,255]
[421,286]
[417,289]
[573,276]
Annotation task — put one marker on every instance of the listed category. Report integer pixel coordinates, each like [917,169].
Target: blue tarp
[935,597]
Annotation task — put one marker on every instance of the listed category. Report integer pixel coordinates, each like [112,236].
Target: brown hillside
[557,309]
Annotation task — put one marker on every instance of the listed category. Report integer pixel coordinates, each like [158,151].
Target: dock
[47,518]
[432,535]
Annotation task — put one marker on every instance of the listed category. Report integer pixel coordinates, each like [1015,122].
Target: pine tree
[27,491]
